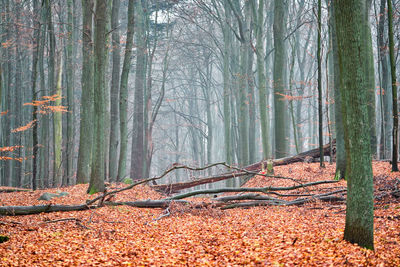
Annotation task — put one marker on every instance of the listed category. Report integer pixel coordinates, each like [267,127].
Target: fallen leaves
[310,235]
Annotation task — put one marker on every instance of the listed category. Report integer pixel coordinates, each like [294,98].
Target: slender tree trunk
[320,118]
[44,120]
[395,139]
[227,82]
[351,24]
[370,74]
[123,94]
[262,95]
[385,100]
[86,125]
[35,53]
[340,149]
[57,128]
[137,155]
[70,96]
[115,81]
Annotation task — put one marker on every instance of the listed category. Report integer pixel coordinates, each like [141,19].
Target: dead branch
[244,197]
[174,167]
[322,197]
[27,210]
[247,189]
[252,169]
[146,203]
[12,189]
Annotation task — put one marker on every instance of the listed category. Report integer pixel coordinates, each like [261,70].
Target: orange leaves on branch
[9,148]
[11,158]
[25,127]
[293,98]
[45,106]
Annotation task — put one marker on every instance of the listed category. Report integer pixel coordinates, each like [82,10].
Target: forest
[199,132]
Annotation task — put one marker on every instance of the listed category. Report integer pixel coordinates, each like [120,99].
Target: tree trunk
[137,155]
[70,142]
[279,80]
[57,128]
[123,95]
[320,119]
[97,175]
[351,24]
[340,150]
[115,81]
[262,95]
[35,53]
[86,125]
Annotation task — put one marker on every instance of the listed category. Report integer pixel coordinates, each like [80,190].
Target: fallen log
[13,189]
[175,188]
[146,203]
[279,202]
[239,172]
[245,197]
[313,153]
[28,210]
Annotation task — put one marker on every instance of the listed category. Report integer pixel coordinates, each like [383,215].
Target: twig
[62,220]
[165,214]
[10,222]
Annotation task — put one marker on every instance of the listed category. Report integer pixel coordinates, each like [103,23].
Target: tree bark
[100,53]
[351,19]
[279,80]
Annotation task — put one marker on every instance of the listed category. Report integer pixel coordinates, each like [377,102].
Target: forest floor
[307,235]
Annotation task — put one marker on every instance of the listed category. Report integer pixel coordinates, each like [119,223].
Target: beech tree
[351,20]
[97,175]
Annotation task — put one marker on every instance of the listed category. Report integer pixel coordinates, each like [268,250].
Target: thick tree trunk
[123,94]
[279,80]
[97,175]
[351,19]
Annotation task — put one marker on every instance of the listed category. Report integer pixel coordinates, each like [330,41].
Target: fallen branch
[146,203]
[322,197]
[247,189]
[27,210]
[144,181]
[252,169]
[12,189]
[244,197]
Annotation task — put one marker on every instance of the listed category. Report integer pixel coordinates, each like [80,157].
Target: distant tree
[351,19]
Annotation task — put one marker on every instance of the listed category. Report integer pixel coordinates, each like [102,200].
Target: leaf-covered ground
[309,235]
